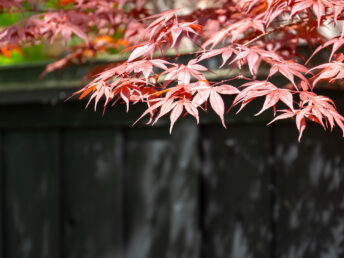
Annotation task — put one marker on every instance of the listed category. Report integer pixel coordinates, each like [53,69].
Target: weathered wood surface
[236,195]
[310,193]
[2,199]
[162,198]
[92,192]
[31,194]
[78,185]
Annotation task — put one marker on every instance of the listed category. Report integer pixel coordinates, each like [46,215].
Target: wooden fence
[75,184]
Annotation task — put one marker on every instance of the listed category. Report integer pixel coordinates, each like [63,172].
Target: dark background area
[75,184]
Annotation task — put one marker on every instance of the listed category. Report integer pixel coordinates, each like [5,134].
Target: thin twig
[305,20]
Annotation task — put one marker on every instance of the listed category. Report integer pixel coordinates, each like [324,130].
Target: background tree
[251,36]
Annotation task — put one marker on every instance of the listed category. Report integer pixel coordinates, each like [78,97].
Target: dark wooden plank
[161,181]
[92,190]
[236,211]
[310,187]
[52,114]
[31,194]
[2,199]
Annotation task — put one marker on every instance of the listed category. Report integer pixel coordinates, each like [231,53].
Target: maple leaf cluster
[255,40]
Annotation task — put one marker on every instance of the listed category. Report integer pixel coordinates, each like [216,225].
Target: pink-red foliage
[253,37]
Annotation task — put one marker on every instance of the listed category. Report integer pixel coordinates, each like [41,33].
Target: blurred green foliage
[7,19]
[39,52]
[27,54]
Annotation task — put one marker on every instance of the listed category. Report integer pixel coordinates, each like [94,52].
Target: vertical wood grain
[310,193]
[2,199]
[31,194]
[92,185]
[162,197]
[236,192]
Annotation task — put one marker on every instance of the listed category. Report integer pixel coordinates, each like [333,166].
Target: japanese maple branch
[305,20]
